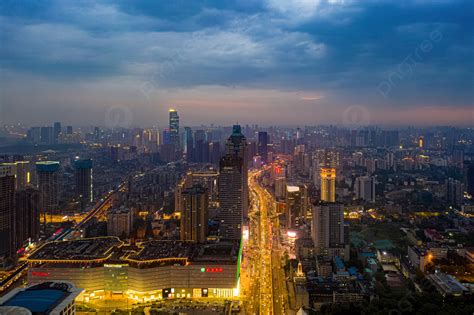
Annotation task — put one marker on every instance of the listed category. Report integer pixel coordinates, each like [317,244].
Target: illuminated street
[267,294]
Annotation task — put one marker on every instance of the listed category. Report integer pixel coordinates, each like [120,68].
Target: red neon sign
[213,270]
[39,274]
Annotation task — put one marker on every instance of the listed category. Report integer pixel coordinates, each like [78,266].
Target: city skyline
[268,62]
[250,157]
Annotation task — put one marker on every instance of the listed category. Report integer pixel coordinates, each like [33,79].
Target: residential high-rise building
[22,173]
[27,216]
[194,215]
[328,184]
[236,146]
[84,185]
[365,188]
[231,196]
[454,192]
[174,128]
[262,145]
[48,185]
[470,178]
[119,222]
[7,204]
[327,230]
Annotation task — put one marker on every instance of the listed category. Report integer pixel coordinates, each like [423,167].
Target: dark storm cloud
[345,50]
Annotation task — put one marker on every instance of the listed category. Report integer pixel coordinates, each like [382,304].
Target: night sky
[267,62]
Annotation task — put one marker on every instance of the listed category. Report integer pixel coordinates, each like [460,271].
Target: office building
[328,184]
[46,298]
[236,146]
[48,185]
[365,188]
[194,215]
[7,206]
[327,230]
[231,197]
[262,146]
[294,206]
[174,128]
[83,177]
[69,130]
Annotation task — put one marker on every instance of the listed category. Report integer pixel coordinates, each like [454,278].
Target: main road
[264,282]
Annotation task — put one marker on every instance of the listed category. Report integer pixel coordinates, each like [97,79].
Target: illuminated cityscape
[236,157]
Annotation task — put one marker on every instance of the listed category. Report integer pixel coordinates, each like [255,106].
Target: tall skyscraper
[262,146]
[365,188]
[84,185]
[174,128]
[194,215]
[328,184]
[327,230]
[7,204]
[236,146]
[188,143]
[231,174]
[294,206]
[48,185]
[27,216]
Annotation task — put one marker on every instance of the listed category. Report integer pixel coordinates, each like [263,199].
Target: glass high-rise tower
[174,127]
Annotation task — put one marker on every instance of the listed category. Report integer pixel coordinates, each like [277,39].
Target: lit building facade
[192,271]
[328,184]
[174,128]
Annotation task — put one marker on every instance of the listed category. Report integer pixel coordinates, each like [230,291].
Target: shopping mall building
[106,267]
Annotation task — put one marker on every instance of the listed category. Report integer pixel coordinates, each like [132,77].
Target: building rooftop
[86,249]
[47,166]
[447,284]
